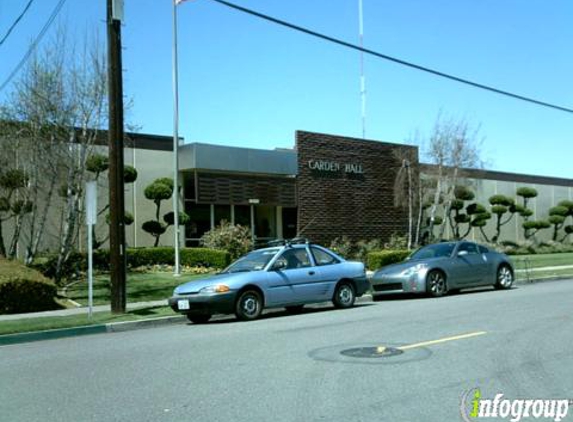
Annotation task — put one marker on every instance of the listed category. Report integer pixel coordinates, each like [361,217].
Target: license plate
[183,305]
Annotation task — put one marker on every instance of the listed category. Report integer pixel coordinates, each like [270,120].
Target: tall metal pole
[115,141]
[362,79]
[176,268]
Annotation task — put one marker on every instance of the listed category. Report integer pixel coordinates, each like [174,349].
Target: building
[326,187]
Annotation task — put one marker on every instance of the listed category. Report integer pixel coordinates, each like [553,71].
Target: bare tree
[405,184]
[452,147]
[57,110]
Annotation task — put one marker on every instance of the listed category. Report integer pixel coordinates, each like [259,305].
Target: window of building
[199,224]
[222,212]
[265,222]
[243,215]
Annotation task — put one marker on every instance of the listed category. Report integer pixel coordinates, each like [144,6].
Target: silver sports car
[441,267]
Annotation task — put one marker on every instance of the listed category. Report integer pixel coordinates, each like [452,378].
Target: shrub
[23,289]
[343,247]
[235,239]
[136,257]
[363,248]
[380,259]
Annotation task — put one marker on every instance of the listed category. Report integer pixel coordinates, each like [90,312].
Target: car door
[467,266]
[293,278]
[330,272]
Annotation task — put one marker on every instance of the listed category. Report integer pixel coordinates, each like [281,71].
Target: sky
[247,82]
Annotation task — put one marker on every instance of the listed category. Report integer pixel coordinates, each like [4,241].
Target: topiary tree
[12,206]
[98,164]
[472,215]
[235,239]
[557,216]
[527,193]
[568,229]
[532,227]
[501,205]
[160,190]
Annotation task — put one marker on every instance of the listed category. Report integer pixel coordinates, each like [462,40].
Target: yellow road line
[442,340]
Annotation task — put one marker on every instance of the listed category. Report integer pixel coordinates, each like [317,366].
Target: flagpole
[176,268]
[362,79]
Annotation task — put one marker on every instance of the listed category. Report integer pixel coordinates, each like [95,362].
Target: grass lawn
[48,323]
[543,260]
[141,287]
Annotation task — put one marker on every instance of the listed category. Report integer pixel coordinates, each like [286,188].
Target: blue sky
[247,82]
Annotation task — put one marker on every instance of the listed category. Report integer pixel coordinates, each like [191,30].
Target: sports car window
[437,250]
[296,258]
[483,249]
[470,248]
[322,258]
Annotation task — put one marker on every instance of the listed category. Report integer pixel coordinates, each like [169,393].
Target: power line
[393,59]
[34,44]
[16,21]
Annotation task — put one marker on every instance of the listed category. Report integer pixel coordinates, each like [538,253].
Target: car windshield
[437,250]
[253,261]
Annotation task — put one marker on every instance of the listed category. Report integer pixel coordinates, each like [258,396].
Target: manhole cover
[372,352]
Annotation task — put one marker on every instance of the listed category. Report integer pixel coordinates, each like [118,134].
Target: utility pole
[115,141]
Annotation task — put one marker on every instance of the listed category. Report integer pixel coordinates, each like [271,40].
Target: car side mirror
[462,254]
[279,265]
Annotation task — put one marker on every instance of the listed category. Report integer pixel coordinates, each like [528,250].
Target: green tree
[500,206]
[527,193]
[160,190]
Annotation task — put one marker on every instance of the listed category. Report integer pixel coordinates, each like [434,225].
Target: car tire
[436,283]
[344,296]
[504,278]
[249,305]
[198,318]
[296,309]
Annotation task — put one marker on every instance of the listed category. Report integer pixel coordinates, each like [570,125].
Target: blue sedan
[289,276]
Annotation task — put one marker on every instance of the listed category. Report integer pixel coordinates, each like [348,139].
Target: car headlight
[217,288]
[413,270]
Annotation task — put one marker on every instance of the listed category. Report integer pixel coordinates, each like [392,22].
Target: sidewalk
[80,311]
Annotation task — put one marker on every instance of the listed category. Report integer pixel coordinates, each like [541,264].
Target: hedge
[380,259]
[23,289]
[136,257]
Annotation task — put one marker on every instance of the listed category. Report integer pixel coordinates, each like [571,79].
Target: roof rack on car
[288,242]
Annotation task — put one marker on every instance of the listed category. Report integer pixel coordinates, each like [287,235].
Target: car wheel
[436,283]
[249,305]
[504,279]
[198,318]
[297,309]
[344,296]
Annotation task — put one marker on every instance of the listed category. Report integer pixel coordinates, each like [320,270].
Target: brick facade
[345,187]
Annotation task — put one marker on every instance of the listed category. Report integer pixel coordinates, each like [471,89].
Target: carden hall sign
[334,168]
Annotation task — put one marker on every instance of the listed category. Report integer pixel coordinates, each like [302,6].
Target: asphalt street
[290,368]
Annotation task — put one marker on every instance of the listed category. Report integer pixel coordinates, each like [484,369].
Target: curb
[118,327]
[112,327]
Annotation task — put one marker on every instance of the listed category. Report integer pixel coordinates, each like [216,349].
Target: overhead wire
[34,44]
[5,37]
[393,59]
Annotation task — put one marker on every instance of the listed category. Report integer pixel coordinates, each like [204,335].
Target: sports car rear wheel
[436,283]
[504,278]
[249,305]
